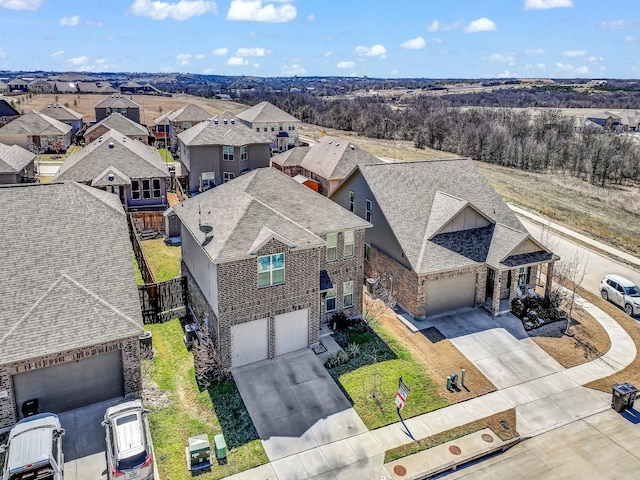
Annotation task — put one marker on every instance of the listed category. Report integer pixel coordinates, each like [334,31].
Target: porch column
[495,299]
[549,283]
[513,288]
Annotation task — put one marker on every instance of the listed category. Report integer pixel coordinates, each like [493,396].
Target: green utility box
[199,452]
[221,447]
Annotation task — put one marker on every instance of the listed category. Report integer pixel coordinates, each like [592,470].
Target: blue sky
[388,39]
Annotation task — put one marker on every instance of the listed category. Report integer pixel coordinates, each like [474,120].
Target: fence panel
[163,301]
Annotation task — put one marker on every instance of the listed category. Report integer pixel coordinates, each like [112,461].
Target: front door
[491,277]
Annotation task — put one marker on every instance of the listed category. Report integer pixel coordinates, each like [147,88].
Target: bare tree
[567,276]
[381,297]
[208,364]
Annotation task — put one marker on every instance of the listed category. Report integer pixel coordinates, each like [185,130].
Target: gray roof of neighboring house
[55,292]
[60,112]
[66,87]
[262,204]
[291,157]
[188,113]
[120,123]
[265,112]
[223,129]
[7,110]
[35,123]
[3,86]
[88,87]
[17,81]
[419,198]
[112,151]
[116,101]
[40,82]
[107,89]
[162,119]
[14,158]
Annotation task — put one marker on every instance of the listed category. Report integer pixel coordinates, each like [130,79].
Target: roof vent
[233,122]
[330,142]
[111,145]
[111,177]
[215,121]
[352,147]
[225,121]
[337,144]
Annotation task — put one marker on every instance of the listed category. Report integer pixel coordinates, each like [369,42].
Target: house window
[280,127]
[352,199]
[349,239]
[332,246]
[135,189]
[257,129]
[271,270]
[273,129]
[331,300]
[157,191]
[347,294]
[265,129]
[186,125]
[244,152]
[292,127]
[524,274]
[207,180]
[367,252]
[146,188]
[227,153]
[226,176]
[368,212]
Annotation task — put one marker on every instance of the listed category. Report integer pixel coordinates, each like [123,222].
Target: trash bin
[370,284]
[623,396]
[221,448]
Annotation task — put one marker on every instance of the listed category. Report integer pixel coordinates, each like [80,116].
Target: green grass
[189,412]
[166,155]
[164,261]
[136,268]
[382,360]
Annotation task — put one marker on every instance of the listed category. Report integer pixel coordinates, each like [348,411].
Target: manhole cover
[504,425]
[487,438]
[400,470]
[455,450]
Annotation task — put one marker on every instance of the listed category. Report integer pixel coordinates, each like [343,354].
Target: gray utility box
[199,452]
[623,396]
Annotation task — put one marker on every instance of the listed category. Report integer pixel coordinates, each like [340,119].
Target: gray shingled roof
[189,113]
[14,158]
[60,112]
[121,124]
[112,150]
[35,123]
[259,205]
[291,157]
[54,292]
[68,87]
[266,112]
[223,129]
[116,101]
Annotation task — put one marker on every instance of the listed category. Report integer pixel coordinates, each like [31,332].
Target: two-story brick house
[177,121]
[279,126]
[267,260]
[119,123]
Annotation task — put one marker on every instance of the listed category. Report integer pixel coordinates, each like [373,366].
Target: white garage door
[73,384]
[249,342]
[451,293]
[292,331]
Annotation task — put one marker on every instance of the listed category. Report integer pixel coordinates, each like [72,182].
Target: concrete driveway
[295,405]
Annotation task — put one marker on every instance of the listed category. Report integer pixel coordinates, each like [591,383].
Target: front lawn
[164,261]
[370,378]
[165,155]
[178,410]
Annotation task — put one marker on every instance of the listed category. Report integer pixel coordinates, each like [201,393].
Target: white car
[622,292]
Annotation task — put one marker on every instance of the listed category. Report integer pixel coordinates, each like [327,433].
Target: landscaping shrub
[537,310]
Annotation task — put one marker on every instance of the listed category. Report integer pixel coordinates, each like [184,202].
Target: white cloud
[182,10]
[69,21]
[546,4]
[327,54]
[252,52]
[100,61]
[581,70]
[594,59]
[438,26]
[570,70]
[311,17]
[574,53]
[256,65]
[374,51]
[630,39]
[21,4]
[78,60]
[481,25]
[508,58]
[294,69]
[254,11]
[507,74]
[57,54]
[2,54]
[395,72]
[199,56]
[236,61]
[616,24]
[183,58]
[207,71]
[220,51]
[534,52]
[414,44]
[541,66]
[94,24]
[345,64]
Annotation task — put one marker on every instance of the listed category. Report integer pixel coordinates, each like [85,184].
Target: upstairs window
[186,125]
[271,270]
[367,216]
[367,252]
[135,189]
[244,152]
[157,191]
[352,201]
[146,188]
[349,239]
[332,247]
[227,153]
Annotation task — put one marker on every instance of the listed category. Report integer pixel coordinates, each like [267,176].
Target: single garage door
[292,331]
[451,293]
[249,342]
[73,384]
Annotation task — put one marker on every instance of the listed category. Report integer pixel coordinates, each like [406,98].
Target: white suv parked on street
[622,292]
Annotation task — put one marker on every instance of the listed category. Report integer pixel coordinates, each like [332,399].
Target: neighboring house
[442,237]
[64,115]
[117,104]
[17,165]
[218,150]
[183,119]
[280,127]
[106,88]
[160,131]
[65,87]
[267,261]
[4,88]
[88,87]
[37,132]
[120,124]
[40,85]
[71,316]
[7,112]
[327,162]
[130,169]
[18,85]
[135,88]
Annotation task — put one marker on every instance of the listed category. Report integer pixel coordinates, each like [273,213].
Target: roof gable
[110,176]
[265,112]
[452,214]
[116,101]
[189,113]
[60,112]
[120,123]
[223,129]
[14,158]
[35,123]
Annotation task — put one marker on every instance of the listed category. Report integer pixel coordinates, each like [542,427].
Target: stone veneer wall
[199,305]
[130,352]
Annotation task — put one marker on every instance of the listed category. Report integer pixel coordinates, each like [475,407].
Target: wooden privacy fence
[145,270]
[163,301]
[147,221]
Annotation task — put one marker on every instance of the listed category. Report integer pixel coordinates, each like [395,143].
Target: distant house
[37,132]
[120,124]
[130,169]
[160,131]
[18,85]
[4,88]
[135,88]
[40,85]
[88,87]
[182,119]
[64,115]
[71,317]
[65,87]
[106,88]
[117,104]
[327,162]
[280,127]
[7,112]
[220,149]
[16,165]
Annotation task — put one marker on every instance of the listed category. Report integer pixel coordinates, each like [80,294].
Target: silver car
[622,292]
[129,450]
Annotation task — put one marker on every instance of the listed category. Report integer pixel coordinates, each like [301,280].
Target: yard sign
[401,397]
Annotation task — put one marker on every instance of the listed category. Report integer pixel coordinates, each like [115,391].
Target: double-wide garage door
[451,293]
[73,384]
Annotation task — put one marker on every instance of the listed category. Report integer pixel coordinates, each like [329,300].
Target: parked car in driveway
[129,450]
[622,292]
[34,449]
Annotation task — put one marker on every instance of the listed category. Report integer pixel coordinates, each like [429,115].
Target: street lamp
[395,131]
